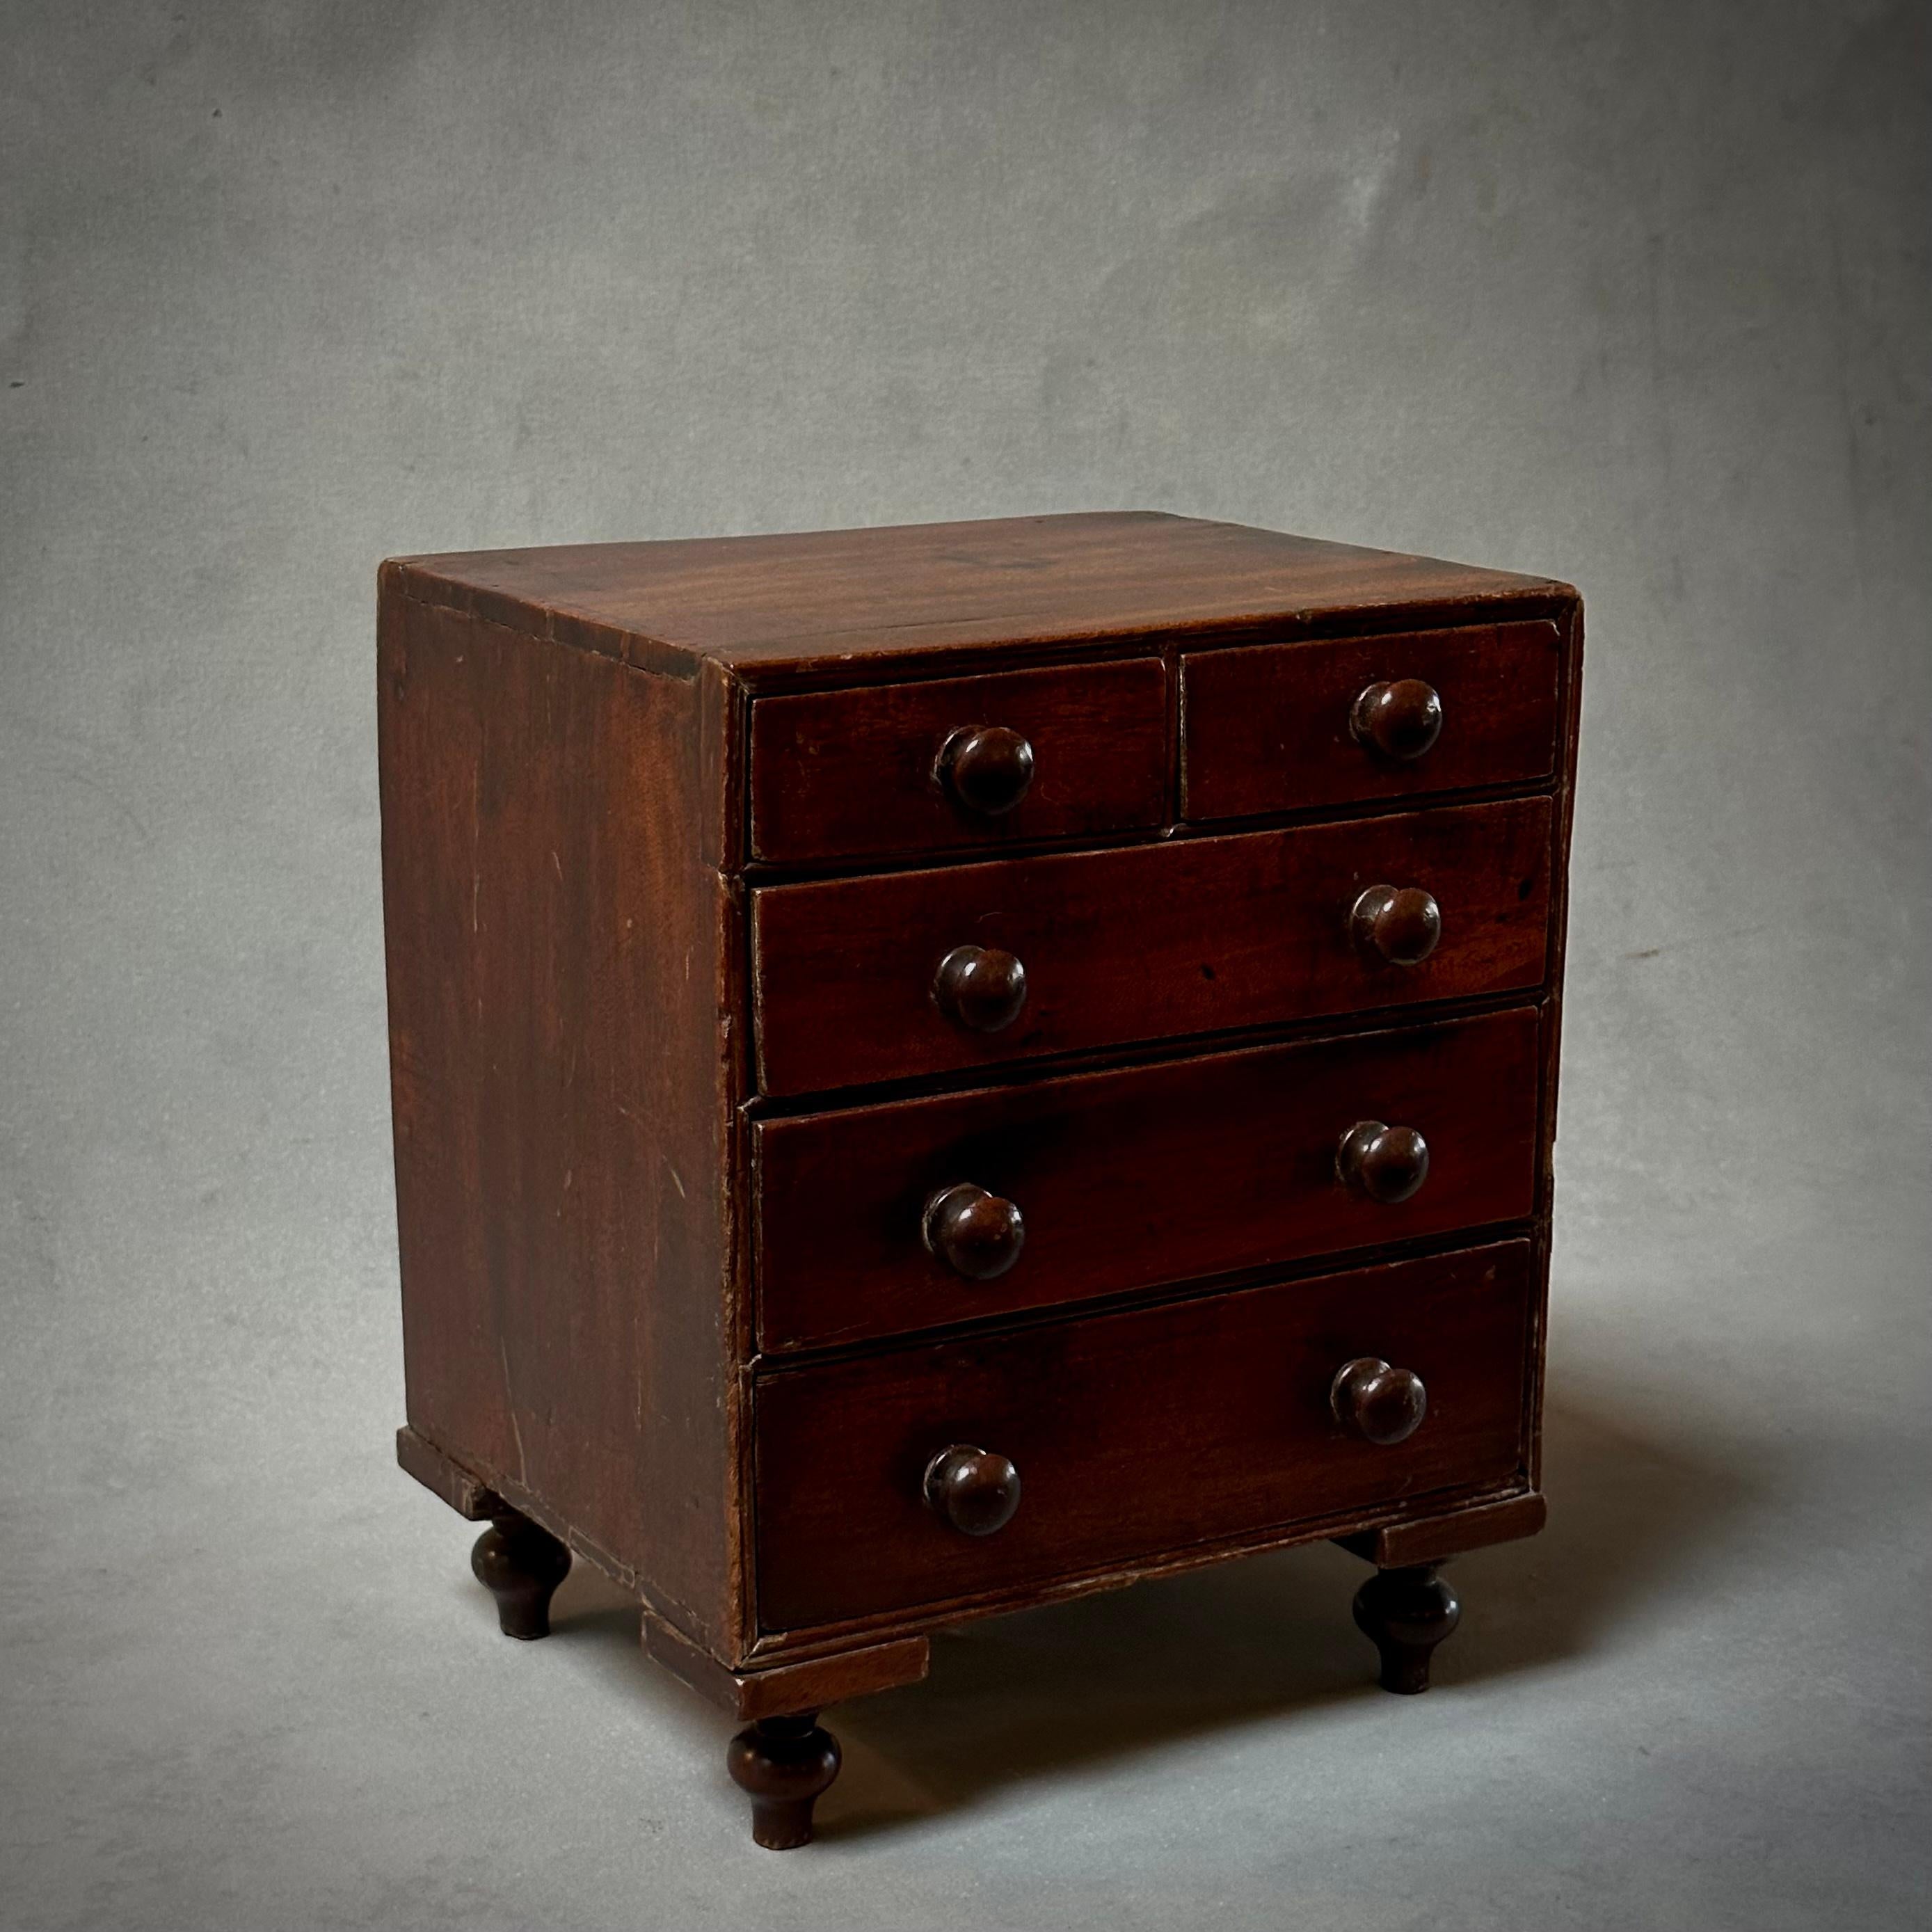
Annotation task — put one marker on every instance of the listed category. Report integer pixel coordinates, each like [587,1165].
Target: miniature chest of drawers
[940,1068]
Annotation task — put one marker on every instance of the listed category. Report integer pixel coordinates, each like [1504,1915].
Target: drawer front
[1271,727]
[929,767]
[1133,1434]
[1129,1179]
[1185,936]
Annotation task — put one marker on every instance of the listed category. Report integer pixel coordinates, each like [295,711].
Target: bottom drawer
[1133,1433]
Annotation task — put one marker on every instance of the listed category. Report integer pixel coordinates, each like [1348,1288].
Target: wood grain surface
[1133,1432]
[1268,728]
[1131,1178]
[1143,943]
[561,964]
[848,772]
[834,601]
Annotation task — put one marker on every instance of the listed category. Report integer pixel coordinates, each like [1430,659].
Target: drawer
[1134,1434]
[1183,937]
[1128,1179]
[1274,727]
[920,767]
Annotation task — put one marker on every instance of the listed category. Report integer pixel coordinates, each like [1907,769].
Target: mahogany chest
[939,1068]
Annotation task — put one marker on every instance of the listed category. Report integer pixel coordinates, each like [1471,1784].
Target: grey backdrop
[1635,294]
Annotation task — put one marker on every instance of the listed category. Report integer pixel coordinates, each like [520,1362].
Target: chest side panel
[561,964]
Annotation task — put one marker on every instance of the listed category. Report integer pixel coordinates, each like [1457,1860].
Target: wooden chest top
[835,599]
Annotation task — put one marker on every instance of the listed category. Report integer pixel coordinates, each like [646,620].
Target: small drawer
[1290,727]
[1059,753]
[1136,1433]
[867,979]
[878,1220]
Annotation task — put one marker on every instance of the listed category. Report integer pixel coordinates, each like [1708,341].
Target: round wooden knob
[1400,720]
[1388,1164]
[974,1490]
[1401,924]
[976,1234]
[980,988]
[987,770]
[1379,1403]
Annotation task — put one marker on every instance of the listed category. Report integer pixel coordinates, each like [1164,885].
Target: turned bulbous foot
[520,1566]
[1406,1614]
[786,1764]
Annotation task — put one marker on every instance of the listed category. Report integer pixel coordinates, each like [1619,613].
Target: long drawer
[1132,1434]
[1181,937]
[1128,1179]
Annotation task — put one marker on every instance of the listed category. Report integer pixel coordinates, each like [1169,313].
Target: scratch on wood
[510,1403]
[475,842]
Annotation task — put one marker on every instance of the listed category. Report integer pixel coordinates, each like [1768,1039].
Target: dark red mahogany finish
[783,1763]
[893,1034]
[1088,1409]
[1023,754]
[1400,722]
[1287,726]
[1125,1179]
[520,1566]
[1090,950]
[971,1489]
